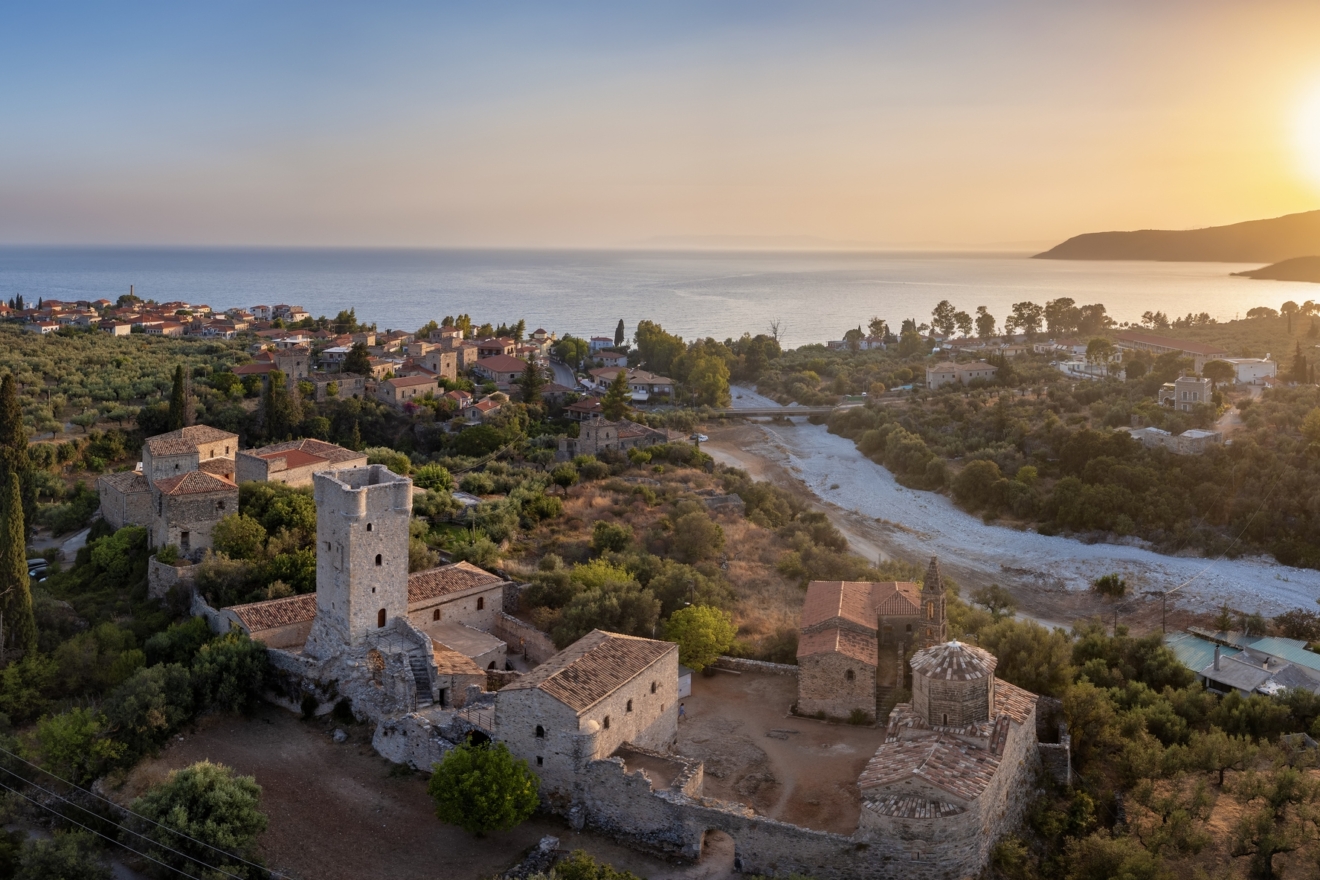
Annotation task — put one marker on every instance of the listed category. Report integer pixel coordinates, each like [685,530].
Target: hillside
[1296,269]
[1255,241]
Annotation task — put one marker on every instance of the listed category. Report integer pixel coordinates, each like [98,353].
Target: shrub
[63,857]
[696,537]
[76,745]
[230,672]
[239,536]
[179,643]
[483,788]
[143,711]
[702,633]
[433,478]
[606,536]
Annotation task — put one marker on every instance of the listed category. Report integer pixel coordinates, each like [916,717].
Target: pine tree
[18,629]
[531,382]
[619,333]
[615,403]
[178,400]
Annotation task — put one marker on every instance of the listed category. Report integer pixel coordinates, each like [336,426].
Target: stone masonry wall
[195,514]
[462,609]
[824,686]
[163,577]
[738,664]
[521,636]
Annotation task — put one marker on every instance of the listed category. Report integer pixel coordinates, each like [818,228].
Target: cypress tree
[1299,370]
[178,400]
[615,403]
[531,382]
[13,446]
[619,333]
[18,629]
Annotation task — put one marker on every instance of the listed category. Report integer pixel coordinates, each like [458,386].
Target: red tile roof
[194,483]
[592,668]
[258,616]
[954,661]
[187,440]
[448,579]
[833,640]
[502,363]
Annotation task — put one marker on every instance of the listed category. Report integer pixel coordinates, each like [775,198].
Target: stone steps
[885,700]
[422,676]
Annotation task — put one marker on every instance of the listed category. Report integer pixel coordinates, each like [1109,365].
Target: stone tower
[953,685]
[362,517]
[934,625]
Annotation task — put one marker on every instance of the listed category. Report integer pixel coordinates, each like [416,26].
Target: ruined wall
[738,664]
[836,685]
[523,638]
[163,577]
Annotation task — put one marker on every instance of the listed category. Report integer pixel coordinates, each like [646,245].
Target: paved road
[563,374]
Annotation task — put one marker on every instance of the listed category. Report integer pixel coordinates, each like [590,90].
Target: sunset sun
[1308,134]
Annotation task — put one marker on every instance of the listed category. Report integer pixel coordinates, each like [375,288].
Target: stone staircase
[885,699]
[422,675]
[888,682]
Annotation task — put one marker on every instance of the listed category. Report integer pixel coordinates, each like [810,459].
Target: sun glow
[1308,134]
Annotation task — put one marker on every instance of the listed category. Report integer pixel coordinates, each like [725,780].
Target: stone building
[949,373]
[187,449]
[855,635]
[397,392]
[958,763]
[599,434]
[186,509]
[603,691]
[125,498]
[294,462]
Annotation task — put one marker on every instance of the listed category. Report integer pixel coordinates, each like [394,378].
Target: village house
[441,362]
[340,385]
[501,369]
[399,391]
[596,343]
[477,412]
[187,507]
[643,385]
[1190,442]
[1185,392]
[600,434]
[293,462]
[496,345]
[583,410]
[1253,371]
[1199,352]
[947,373]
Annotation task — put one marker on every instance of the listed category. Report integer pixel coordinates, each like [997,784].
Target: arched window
[629,709]
[435,615]
[946,719]
[849,675]
[492,665]
[368,526]
[930,610]
[909,627]
[652,687]
[481,603]
[540,732]
[606,723]
[378,559]
[380,618]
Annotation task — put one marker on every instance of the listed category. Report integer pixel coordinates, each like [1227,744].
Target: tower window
[378,559]
[946,719]
[220,505]
[481,603]
[368,526]
[606,723]
[629,709]
[849,675]
[380,618]
[435,615]
[540,761]
[652,687]
[540,732]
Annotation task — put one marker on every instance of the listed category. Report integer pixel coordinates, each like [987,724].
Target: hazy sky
[607,124]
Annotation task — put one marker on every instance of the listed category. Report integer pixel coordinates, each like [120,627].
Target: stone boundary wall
[163,577]
[738,664]
[220,622]
[515,633]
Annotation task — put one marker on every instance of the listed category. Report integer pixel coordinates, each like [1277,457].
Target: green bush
[229,673]
[483,788]
[610,537]
[66,856]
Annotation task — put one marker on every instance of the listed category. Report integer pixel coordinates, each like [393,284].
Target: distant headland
[1255,241]
[1296,269]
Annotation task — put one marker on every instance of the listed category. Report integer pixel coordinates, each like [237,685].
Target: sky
[898,124]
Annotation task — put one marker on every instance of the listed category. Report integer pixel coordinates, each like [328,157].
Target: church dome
[954,661]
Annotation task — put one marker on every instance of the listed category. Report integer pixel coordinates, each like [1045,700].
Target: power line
[93,830]
[124,828]
[129,812]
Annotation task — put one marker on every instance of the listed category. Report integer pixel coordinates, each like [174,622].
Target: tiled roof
[1013,701]
[833,640]
[1165,342]
[220,467]
[859,602]
[906,807]
[272,613]
[449,662]
[126,481]
[254,369]
[299,453]
[954,661]
[896,599]
[410,381]
[942,760]
[592,668]
[436,582]
[186,439]
[194,483]
[502,363]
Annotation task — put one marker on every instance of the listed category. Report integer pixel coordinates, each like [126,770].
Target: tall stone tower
[934,625]
[362,517]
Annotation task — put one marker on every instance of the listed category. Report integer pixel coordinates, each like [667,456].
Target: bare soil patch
[337,813]
[793,769]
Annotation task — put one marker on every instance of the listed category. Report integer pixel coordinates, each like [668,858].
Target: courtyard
[797,770]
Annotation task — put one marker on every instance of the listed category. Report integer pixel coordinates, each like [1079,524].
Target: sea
[812,296]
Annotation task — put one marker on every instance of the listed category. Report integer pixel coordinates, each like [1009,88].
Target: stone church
[855,637]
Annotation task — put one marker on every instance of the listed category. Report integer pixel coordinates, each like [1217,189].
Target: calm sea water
[815,295]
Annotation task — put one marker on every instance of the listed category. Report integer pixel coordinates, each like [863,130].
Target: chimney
[1216,658]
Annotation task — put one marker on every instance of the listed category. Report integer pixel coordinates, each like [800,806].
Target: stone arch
[718,853]
[377,560]
[380,618]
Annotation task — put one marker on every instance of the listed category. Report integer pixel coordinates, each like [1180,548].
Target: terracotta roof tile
[194,483]
[126,482]
[940,759]
[187,439]
[1013,701]
[502,363]
[447,579]
[257,616]
[449,662]
[833,640]
[592,668]
[220,467]
[954,661]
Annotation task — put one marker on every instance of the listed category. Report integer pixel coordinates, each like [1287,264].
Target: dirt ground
[337,813]
[797,770]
